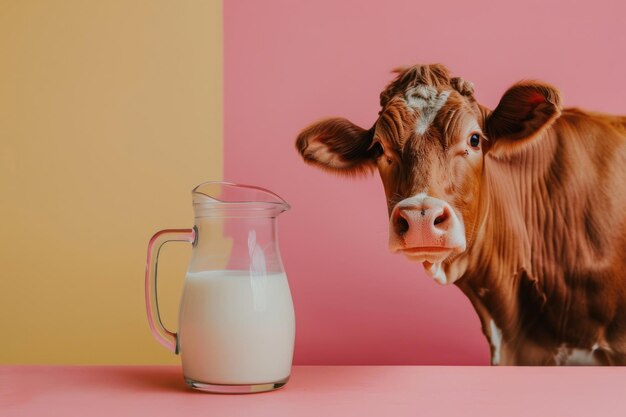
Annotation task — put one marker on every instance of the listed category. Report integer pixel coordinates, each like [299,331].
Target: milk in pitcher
[236,327]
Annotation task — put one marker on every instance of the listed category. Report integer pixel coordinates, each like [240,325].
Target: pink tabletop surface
[319,391]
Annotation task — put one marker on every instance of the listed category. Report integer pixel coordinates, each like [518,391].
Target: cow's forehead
[427,101]
[422,108]
[436,76]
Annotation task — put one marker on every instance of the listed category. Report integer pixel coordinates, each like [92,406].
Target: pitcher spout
[218,197]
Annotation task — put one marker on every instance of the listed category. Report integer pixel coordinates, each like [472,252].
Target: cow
[522,207]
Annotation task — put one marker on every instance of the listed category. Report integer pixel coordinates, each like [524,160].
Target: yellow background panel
[110,113]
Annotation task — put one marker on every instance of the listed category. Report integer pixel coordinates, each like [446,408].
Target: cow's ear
[337,145]
[525,111]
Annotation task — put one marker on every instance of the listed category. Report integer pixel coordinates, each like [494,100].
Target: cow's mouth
[431,254]
[426,249]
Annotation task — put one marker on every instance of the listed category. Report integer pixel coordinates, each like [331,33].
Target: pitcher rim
[247,204]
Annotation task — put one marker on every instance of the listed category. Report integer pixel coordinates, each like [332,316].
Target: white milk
[235,328]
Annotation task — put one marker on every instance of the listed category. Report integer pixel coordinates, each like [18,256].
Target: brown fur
[551,243]
[542,203]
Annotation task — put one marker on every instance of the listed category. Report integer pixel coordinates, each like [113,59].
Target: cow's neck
[536,267]
[498,276]
[544,266]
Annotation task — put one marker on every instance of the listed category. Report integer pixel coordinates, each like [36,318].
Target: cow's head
[429,144]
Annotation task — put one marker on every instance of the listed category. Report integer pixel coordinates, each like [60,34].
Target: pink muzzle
[425,228]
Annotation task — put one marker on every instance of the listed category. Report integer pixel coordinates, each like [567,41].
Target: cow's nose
[425,222]
[433,219]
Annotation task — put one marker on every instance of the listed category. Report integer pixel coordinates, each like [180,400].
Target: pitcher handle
[160,333]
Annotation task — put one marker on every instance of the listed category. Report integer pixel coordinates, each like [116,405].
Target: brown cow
[522,207]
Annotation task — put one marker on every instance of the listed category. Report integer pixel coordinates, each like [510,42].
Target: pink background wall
[288,63]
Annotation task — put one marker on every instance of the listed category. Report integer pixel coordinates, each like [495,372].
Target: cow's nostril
[441,218]
[401,225]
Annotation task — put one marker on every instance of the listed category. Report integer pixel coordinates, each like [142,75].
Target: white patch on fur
[496,342]
[456,269]
[573,356]
[321,154]
[427,101]
[419,196]
[436,272]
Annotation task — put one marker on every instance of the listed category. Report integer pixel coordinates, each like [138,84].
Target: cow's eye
[474,140]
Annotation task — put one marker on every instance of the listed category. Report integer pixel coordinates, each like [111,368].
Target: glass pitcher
[236,324]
